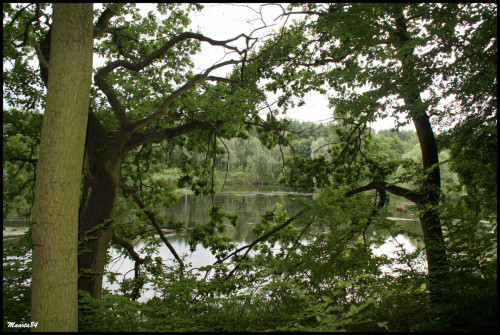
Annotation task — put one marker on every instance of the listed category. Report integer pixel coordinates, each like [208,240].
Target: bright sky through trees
[224,21]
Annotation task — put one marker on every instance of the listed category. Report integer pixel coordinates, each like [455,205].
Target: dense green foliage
[298,288]
[317,270]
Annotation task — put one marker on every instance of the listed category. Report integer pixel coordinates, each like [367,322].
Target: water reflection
[250,205]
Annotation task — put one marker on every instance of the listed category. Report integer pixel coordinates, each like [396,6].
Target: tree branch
[234,82]
[38,51]
[116,106]
[118,109]
[129,247]
[160,112]
[29,160]
[385,186]
[28,24]
[153,220]
[137,140]
[102,23]
[169,44]
[138,261]
[382,186]
[262,238]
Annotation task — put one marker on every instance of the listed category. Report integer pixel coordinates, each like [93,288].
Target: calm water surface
[249,205]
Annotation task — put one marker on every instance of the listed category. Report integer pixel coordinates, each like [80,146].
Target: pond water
[249,205]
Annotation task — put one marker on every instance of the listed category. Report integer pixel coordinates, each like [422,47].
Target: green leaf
[421,289]
[383,324]
[334,308]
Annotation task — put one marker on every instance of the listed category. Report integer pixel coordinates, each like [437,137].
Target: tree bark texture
[97,207]
[430,222]
[98,204]
[54,299]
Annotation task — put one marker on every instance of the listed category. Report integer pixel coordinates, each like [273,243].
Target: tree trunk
[431,187]
[97,207]
[54,299]
[435,248]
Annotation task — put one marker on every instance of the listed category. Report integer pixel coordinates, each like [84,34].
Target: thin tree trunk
[54,299]
[431,187]
[435,248]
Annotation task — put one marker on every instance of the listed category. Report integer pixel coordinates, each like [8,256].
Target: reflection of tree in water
[251,205]
[248,205]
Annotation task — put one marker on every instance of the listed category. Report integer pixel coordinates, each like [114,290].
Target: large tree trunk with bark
[54,299]
[96,209]
[102,169]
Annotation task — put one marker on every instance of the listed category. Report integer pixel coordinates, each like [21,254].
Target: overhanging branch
[137,140]
[129,247]
[382,186]
[385,186]
[153,220]
[262,238]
